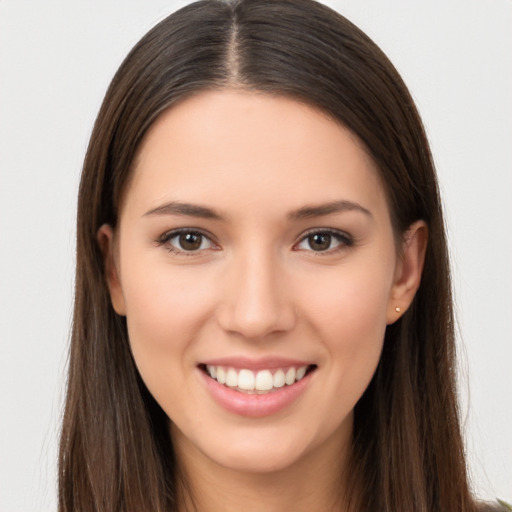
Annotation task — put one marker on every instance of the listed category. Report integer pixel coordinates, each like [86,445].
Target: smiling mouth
[257,382]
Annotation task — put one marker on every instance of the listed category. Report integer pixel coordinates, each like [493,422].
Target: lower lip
[254,405]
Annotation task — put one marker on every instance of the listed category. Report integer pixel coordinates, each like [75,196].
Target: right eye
[186,241]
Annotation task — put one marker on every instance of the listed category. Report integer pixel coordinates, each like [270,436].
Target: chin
[265,449]
[257,459]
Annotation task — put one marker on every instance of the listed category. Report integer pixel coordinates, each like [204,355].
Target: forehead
[250,149]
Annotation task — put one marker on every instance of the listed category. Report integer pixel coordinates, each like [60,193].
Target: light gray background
[56,59]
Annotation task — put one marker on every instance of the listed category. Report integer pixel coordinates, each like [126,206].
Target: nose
[256,301]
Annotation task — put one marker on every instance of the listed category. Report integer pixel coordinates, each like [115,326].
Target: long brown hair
[116,453]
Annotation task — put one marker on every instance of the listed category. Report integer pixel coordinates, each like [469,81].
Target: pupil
[190,241]
[320,242]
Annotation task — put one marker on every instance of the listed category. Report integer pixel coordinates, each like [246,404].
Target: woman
[263,315]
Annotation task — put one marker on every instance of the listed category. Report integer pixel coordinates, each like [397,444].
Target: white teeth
[221,375]
[301,372]
[246,380]
[290,376]
[260,382]
[232,378]
[264,381]
[279,379]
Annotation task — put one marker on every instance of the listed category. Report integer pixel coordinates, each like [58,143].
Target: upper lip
[265,363]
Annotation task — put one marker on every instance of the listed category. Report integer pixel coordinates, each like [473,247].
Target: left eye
[323,241]
[187,241]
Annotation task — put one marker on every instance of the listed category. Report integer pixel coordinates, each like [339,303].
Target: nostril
[255,307]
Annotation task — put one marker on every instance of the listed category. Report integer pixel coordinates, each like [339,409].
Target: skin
[256,287]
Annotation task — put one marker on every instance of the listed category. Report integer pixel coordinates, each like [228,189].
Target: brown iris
[319,241]
[190,241]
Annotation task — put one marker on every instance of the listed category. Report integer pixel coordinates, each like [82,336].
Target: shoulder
[497,506]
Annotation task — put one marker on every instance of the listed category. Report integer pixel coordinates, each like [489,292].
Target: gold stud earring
[397,309]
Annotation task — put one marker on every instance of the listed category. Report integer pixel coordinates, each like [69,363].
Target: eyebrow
[188,209]
[306,212]
[320,210]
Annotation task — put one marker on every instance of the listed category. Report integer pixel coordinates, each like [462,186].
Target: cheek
[164,303]
[351,300]
[349,317]
[165,311]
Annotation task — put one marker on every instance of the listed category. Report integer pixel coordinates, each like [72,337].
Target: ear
[106,241]
[408,270]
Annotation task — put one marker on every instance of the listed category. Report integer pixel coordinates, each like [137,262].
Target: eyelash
[344,240]
[169,235]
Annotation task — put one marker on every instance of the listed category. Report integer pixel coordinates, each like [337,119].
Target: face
[256,265]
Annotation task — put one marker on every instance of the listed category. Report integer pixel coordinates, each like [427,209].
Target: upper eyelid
[171,233]
[329,231]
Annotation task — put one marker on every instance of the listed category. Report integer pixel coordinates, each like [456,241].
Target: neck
[314,483]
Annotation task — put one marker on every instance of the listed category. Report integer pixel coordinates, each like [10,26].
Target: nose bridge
[256,302]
